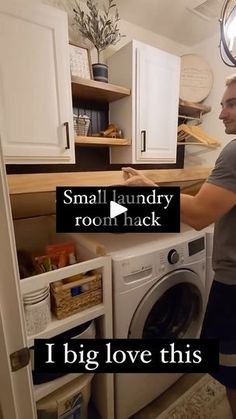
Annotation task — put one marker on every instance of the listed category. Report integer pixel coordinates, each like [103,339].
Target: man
[216,203]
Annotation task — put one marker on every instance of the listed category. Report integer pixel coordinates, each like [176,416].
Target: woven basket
[76,296]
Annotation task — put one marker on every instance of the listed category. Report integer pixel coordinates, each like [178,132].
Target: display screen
[196,246]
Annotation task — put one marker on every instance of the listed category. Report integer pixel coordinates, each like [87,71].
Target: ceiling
[172,19]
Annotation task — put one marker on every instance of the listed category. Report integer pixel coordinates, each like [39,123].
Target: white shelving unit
[33,234]
[59,326]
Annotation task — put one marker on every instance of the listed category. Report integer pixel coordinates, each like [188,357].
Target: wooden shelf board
[47,182]
[191,109]
[101,141]
[197,143]
[96,90]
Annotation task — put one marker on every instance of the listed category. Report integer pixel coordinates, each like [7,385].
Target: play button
[116,209]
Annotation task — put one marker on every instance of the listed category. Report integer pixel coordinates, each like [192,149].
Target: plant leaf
[98,26]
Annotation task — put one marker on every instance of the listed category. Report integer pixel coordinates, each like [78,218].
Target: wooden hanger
[189,133]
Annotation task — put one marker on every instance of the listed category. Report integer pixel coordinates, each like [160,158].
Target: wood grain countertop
[35,194]
[47,182]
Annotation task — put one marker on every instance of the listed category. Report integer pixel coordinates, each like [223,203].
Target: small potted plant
[101,29]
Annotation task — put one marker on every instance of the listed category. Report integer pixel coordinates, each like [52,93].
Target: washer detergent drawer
[137,276]
[132,270]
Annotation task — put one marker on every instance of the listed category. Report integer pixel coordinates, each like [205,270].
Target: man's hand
[133,177]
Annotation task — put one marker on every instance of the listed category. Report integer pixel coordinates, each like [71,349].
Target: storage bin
[75,296]
[69,402]
[81,125]
[37,315]
[84,331]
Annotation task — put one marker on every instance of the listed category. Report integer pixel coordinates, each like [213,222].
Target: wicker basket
[81,125]
[72,297]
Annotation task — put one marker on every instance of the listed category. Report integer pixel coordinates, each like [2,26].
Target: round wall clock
[196,78]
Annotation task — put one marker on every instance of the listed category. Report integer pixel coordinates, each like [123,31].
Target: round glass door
[172,315]
[172,309]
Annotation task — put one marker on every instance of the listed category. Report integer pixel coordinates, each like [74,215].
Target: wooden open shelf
[195,143]
[101,141]
[96,90]
[192,109]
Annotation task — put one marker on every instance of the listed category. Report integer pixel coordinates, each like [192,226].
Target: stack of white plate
[37,310]
[35,297]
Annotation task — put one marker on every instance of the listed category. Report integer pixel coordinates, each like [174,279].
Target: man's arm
[207,206]
[199,211]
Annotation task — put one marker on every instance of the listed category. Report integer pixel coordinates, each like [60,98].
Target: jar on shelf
[37,309]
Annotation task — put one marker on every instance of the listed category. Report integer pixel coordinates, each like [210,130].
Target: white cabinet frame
[15,403]
[149,117]
[36,117]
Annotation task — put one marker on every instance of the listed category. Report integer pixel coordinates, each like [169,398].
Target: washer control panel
[140,267]
[179,255]
[173,256]
[169,257]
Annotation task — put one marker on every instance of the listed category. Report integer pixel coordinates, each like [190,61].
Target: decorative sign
[80,62]
[196,78]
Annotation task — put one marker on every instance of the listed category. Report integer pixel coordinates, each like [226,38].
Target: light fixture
[228,33]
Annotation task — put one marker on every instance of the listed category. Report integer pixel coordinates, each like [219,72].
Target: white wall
[136,32]
[131,31]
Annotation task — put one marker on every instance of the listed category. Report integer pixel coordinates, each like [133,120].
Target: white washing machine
[209,248]
[158,292]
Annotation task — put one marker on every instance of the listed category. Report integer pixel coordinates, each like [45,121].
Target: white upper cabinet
[149,117]
[36,118]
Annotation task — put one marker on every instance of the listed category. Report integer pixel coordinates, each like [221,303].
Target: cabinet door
[157,75]
[35,88]
[16,400]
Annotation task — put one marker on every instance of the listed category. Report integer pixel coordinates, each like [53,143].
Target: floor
[162,402]
[169,396]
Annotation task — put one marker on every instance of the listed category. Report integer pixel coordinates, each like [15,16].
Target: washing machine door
[172,308]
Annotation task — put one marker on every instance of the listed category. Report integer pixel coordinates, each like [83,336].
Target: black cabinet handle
[66,124]
[143,140]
